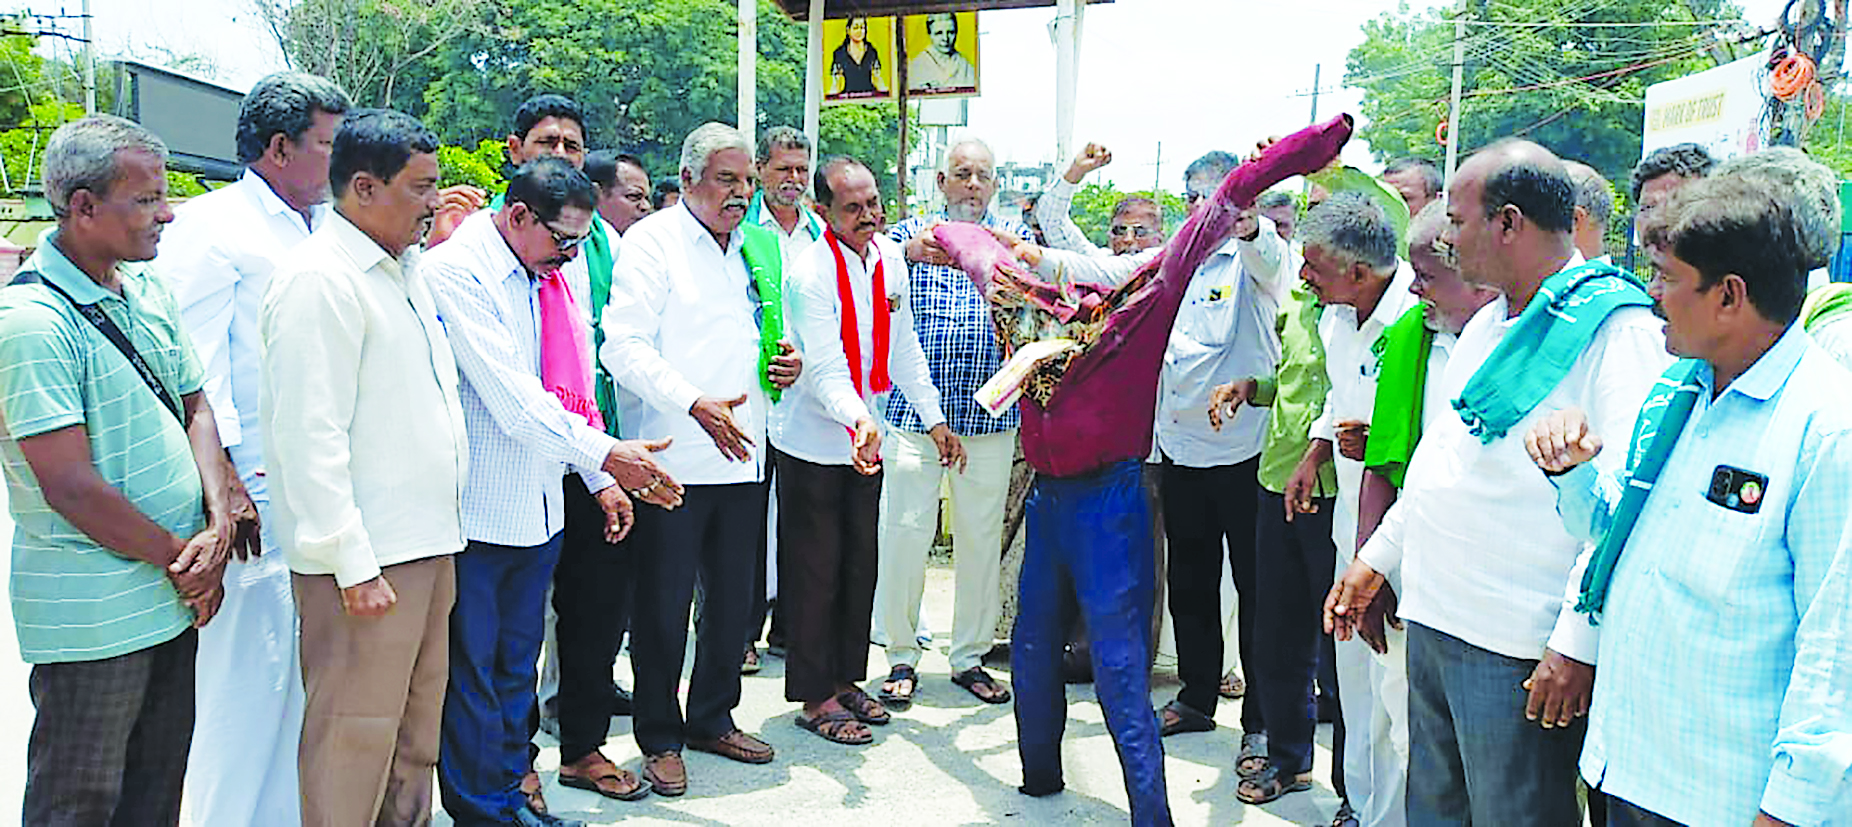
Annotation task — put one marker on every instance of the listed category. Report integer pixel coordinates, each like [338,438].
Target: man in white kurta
[218,255]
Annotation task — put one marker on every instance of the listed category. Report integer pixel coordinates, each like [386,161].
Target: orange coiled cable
[1791,76]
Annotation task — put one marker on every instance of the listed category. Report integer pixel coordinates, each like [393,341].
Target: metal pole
[1453,110]
[749,69]
[1157,175]
[813,80]
[89,62]
[1067,74]
[900,95]
[1316,69]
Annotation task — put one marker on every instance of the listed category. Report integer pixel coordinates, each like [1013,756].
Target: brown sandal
[838,725]
[864,708]
[596,773]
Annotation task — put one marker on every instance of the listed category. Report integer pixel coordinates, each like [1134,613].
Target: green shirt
[74,600]
[1296,392]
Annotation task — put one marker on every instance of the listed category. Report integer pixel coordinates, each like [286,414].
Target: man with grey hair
[1417,180]
[1498,672]
[1811,190]
[779,207]
[218,255]
[694,340]
[1137,223]
[940,67]
[1351,264]
[110,449]
[952,321]
[1594,208]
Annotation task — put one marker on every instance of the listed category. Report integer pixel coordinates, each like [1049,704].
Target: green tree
[1094,203]
[480,167]
[1826,140]
[382,52]
[1533,70]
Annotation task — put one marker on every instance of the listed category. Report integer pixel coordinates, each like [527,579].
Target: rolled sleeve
[1062,233]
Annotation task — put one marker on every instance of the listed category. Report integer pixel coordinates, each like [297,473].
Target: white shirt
[1352,363]
[679,326]
[364,434]
[218,255]
[520,435]
[1224,331]
[1475,536]
[1051,211]
[809,420]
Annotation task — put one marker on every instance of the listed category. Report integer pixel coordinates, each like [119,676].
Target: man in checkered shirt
[953,323]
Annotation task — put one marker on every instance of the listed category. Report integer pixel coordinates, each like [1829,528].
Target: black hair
[1272,199]
[377,142]
[825,195]
[664,187]
[542,107]
[1543,192]
[1731,224]
[550,184]
[1686,160]
[284,103]
[1430,174]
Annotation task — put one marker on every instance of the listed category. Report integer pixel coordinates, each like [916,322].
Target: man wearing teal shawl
[1482,555]
[1724,555]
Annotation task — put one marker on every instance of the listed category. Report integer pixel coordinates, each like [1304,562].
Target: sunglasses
[1133,230]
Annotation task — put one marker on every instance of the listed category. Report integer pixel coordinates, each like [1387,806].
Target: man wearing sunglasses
[524,358]
[1137,223]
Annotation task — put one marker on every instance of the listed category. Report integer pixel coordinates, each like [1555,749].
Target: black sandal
[1269,785]
[894,698]
[975,677]
[863,707]
[1187,720]
[1253,749]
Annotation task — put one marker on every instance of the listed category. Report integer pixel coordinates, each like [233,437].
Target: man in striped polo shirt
[110,449]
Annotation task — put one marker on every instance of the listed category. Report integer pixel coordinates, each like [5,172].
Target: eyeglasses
[565,243]
[557,143]
[1133,230]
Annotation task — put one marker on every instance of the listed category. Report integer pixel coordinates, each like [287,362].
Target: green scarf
[1656,430]
[1825,304]
[764,258]
[598,265]
[1543,345]
[1401,387]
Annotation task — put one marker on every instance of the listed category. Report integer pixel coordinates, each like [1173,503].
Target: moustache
[742,203]
[1660,311]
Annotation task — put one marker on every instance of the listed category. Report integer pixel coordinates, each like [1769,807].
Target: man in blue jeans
[524,357]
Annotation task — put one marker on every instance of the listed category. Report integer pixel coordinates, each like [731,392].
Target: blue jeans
[1472,756]
[1088,550]
[495,631]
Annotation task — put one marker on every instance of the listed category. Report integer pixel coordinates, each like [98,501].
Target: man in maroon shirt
[1087,416]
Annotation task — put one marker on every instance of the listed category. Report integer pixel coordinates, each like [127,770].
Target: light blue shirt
[1724,675]
[521,438]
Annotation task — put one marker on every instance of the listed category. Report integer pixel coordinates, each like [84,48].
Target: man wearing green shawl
[1482,555]
[1724,555]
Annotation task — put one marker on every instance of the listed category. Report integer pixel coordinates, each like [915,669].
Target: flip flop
[893,698]
[975,677]
[833,726]
[604,778]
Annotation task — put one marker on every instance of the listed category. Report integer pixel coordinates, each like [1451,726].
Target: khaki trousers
[375,689]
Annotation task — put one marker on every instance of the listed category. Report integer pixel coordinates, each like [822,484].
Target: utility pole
[89,62]
[748,69]
[1157,174]
[1316,69]
[1453,109]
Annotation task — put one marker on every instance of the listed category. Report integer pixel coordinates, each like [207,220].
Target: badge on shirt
[893,304]
[1737,489]
[1219,292]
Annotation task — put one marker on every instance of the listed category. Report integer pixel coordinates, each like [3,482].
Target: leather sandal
[975,677]
[864,708]
[837,725]
[596,773]
[891,693]
[1271,784]
[1182,719]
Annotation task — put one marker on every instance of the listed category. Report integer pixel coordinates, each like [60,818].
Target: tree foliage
[373,48]
[1094,203]
[1537,72]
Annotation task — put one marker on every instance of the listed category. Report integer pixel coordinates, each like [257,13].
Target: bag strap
[114,334]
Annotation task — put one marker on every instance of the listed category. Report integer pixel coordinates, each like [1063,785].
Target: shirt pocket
[1208,314]
[1730,554]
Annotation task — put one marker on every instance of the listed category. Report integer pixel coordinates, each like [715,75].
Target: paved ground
[950,759]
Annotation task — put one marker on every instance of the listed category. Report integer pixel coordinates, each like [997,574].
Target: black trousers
[109,741]
[828,556]
[1204,508]
[592,588]
[715,535]
[1294,565]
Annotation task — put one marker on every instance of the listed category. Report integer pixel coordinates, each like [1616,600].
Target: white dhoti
[1372,690]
